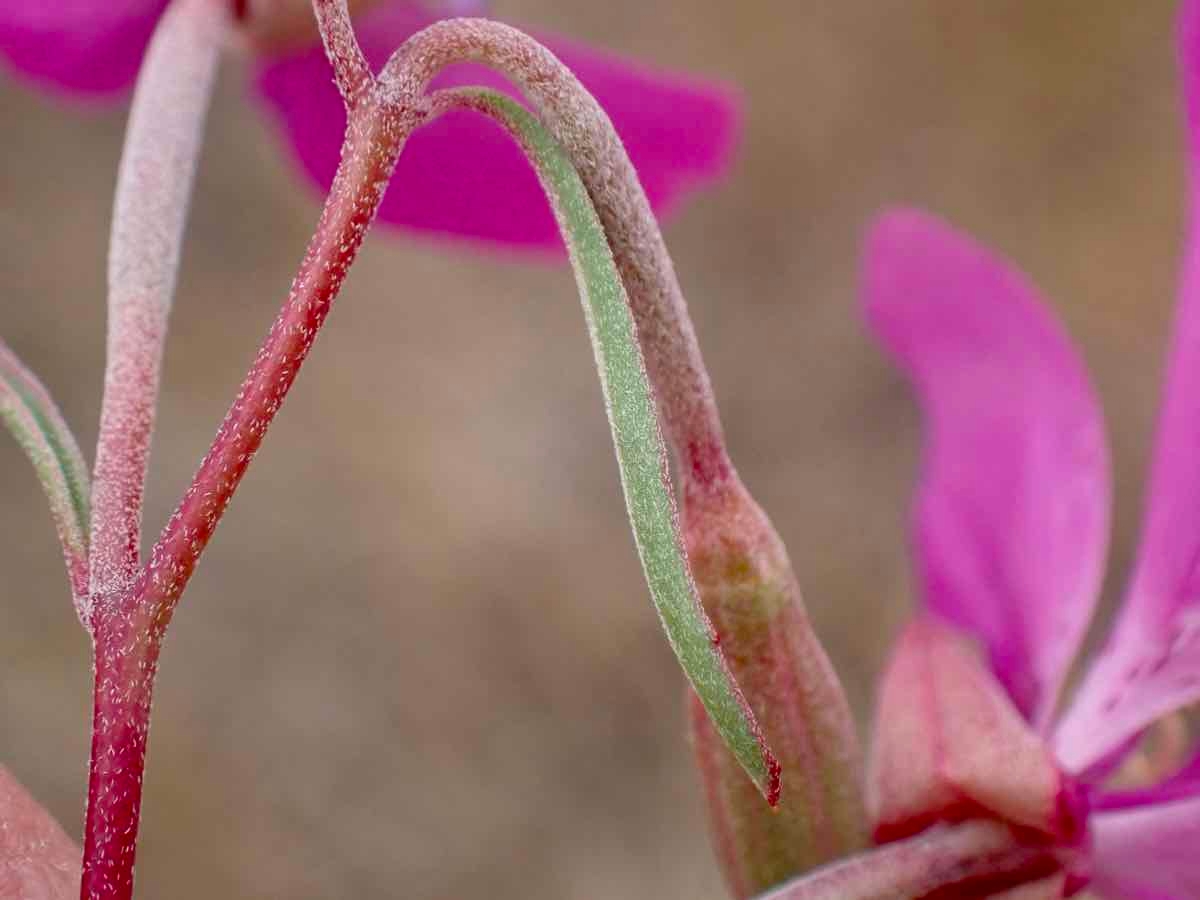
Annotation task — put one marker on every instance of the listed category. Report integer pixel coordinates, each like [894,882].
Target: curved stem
[691,423]
[369,154]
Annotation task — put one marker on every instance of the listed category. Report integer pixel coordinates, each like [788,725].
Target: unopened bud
[751,595]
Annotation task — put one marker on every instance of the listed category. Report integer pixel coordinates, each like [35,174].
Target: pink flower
[1011,525]
[461,175]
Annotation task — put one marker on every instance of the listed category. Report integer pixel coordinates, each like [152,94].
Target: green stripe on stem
[31,416]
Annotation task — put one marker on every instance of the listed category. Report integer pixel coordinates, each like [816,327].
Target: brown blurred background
[419,659]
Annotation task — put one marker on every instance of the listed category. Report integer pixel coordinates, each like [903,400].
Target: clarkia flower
[1010,530]
[459,176]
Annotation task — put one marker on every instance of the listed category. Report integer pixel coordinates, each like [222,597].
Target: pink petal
[1011,515]
[1148,853]
[462,175]
[950,746]
[91,47]
[1151,664]
[37,859]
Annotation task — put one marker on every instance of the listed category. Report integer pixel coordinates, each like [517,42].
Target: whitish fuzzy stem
[691,423]
[154,185]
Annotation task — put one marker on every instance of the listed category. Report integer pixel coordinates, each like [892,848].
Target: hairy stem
[369,154]
[127,649]
[691,423]
[129,623]
[351,70]
[162,145]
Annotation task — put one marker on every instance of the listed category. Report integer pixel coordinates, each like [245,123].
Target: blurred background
[419,659]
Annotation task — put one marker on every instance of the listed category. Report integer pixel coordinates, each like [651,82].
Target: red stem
[127,651]
[129,625]
[351,70]
[373,141]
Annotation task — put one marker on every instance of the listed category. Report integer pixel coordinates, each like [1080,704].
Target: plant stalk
[129,624]
[127,650]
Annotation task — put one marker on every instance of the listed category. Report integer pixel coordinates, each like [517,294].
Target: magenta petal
[462,175]
[1151,664]
[1147,853]
[1011,515]
[82,46]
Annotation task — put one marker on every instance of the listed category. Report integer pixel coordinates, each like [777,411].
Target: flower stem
[351,70]
[127,651]
[129,622]
[154,185]
[373,141]
[691,423]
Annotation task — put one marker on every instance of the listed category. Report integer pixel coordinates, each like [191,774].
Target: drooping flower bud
[750,593]
[950,745]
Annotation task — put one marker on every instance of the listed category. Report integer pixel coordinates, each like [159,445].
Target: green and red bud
[751,595]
